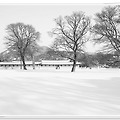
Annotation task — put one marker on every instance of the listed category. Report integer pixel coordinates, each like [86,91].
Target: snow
[47,91]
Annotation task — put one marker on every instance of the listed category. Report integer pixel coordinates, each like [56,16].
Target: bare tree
[70,35]
[107,28]
[20,37]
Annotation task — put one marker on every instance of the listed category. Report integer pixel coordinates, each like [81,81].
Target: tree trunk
[74,62]
[74,66]
[23,60]
[33,62]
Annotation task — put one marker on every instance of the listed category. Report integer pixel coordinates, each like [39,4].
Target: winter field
[47,91]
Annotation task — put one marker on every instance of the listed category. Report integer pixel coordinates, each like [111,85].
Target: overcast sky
[42,17]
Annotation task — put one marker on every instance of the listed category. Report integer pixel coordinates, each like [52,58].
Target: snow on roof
[18,62]
[57,62]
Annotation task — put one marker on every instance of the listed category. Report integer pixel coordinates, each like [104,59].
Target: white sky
[41,16]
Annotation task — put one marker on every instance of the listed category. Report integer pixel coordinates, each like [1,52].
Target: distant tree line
[71,34]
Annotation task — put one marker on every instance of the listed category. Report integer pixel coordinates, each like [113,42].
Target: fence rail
[37,64]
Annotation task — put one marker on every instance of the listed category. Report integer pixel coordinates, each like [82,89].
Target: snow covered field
[47,91]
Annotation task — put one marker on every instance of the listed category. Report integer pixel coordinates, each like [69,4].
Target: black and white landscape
[60,59]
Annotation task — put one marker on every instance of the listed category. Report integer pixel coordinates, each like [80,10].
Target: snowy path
[47,91]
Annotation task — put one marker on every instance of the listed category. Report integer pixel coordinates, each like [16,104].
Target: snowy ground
[47,91]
